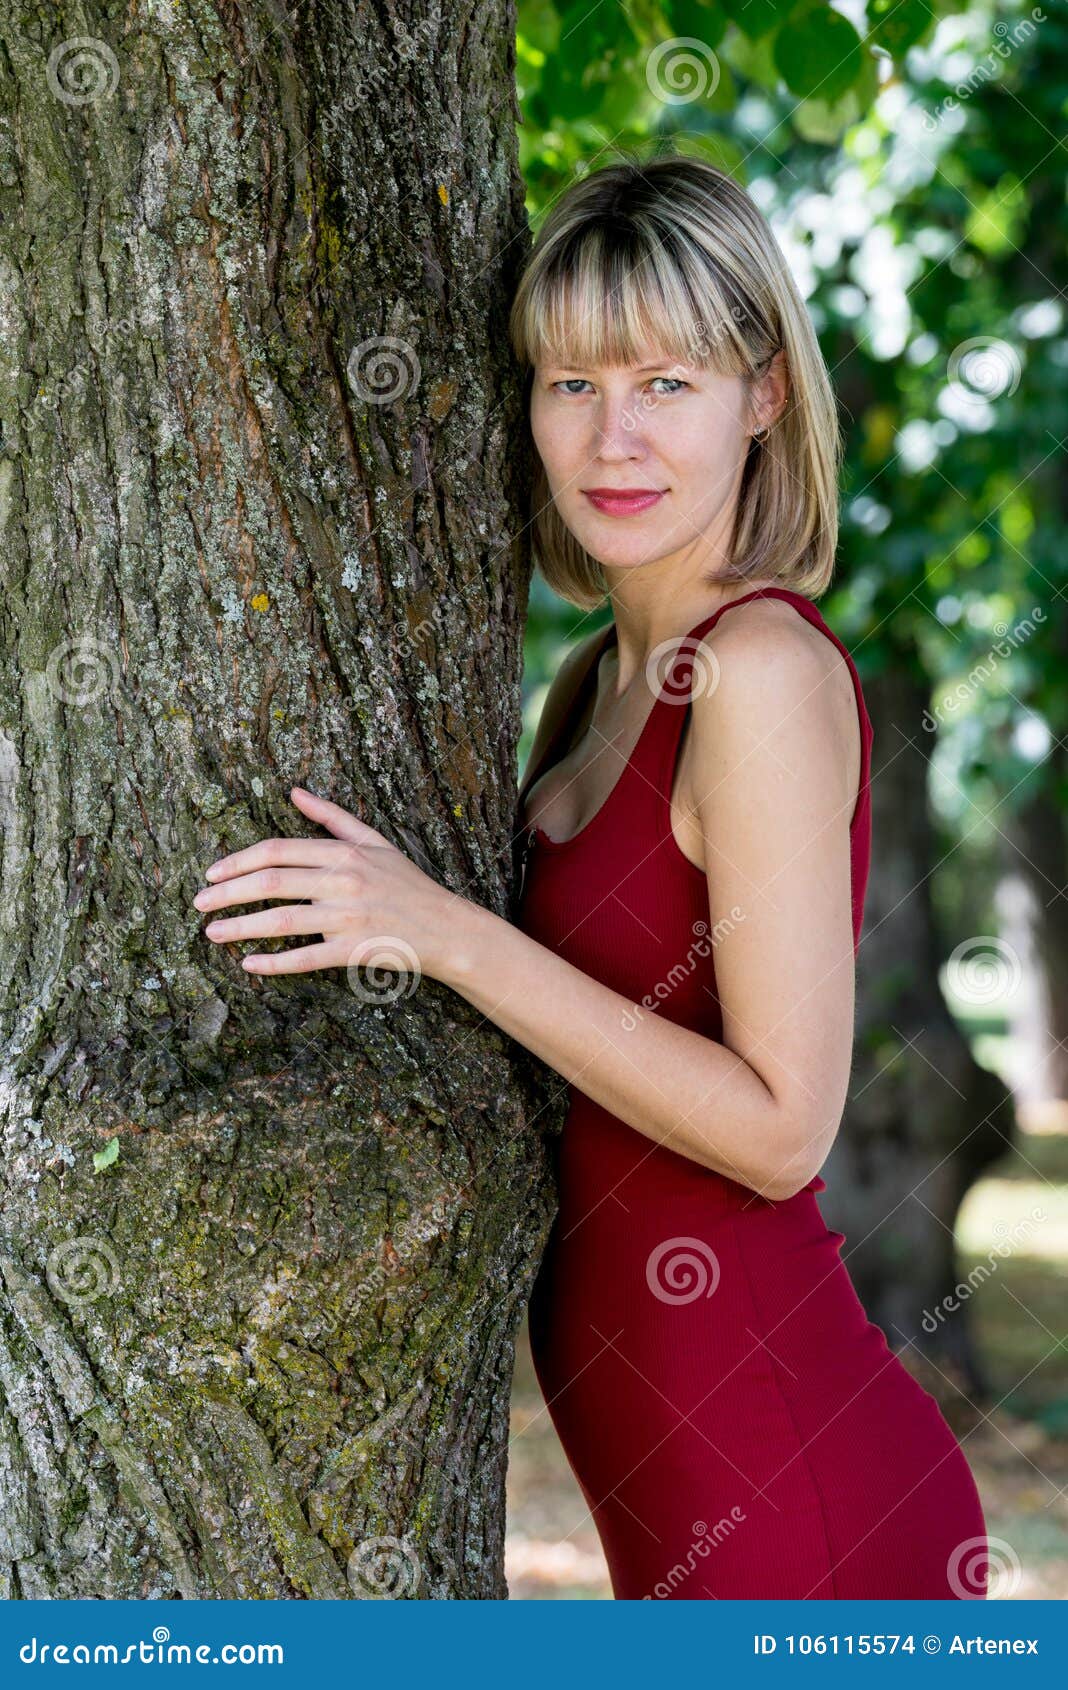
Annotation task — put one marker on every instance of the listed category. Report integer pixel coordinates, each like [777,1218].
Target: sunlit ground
[1018,1453]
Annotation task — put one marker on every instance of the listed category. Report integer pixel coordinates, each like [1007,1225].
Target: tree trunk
[924,1118]
[259,491]
[1034,850]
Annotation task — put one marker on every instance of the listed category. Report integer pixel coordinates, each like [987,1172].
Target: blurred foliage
[909,158]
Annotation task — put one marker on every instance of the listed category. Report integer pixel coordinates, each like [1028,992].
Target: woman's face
[664,428]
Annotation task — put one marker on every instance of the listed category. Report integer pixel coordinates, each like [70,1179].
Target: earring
[761,433]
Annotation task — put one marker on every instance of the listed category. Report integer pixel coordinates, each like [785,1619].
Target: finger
[266,883]
[335,819]
[277,923]
[302,961]
[309,853]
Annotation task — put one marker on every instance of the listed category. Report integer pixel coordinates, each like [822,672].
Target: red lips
[622,501]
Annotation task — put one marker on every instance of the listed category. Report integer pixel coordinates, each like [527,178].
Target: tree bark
[924,1118]
[1034,851]
[259,496]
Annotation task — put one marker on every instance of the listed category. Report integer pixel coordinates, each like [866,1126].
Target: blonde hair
[672,252]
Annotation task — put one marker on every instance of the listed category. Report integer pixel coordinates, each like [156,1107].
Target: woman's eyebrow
[660,364]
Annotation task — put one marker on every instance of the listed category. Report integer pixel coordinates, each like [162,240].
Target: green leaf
[588,32]
[110,1153]
[826,121]
[754,60]
[819,122]
[700,19]
[849,108]
[593,47]
[898,24]
[756,17]
[996,221]
[539,25]
[818,53]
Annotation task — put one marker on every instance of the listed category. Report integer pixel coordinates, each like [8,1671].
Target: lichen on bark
[267,1350]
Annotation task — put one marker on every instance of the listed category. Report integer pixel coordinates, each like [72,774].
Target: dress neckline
[664,696]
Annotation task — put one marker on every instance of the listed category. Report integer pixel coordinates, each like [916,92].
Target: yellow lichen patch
[443,193]
[442,399]
[260,601]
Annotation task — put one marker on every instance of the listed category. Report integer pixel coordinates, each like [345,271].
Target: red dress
[737,1425]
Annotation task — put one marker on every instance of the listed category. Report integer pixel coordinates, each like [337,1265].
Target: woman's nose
[619,425]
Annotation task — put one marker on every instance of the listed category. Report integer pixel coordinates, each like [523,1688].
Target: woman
[738,1426]
[696,826]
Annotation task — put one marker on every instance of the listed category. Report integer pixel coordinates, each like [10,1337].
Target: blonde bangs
[670,258]
[603,300]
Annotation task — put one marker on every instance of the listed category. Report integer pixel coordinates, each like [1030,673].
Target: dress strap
[647,778]
[686,675]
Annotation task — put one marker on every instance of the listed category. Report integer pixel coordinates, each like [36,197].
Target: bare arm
[769,748]
[763,1106]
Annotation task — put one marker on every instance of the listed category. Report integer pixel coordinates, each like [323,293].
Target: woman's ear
[771,391]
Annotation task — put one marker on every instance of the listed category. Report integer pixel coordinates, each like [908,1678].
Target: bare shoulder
[772,803]
[771,688]
[768,631]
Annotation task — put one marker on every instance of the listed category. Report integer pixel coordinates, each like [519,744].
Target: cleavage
[564,777]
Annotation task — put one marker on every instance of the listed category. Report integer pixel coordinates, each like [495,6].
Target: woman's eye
[570,383]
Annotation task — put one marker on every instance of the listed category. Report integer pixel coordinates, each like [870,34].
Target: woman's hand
[374,908]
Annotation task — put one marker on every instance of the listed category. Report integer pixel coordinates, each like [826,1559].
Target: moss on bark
[267,1351]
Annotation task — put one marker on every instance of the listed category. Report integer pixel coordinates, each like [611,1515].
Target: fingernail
[213,927]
